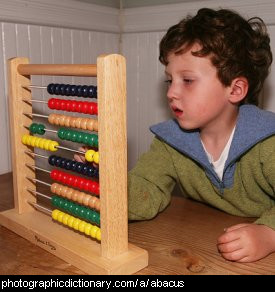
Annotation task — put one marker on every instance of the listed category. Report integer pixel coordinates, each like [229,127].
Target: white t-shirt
[218,165]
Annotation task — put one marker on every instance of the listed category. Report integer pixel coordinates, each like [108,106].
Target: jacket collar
[253,125]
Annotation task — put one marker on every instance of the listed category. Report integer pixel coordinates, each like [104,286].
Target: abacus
[93,249]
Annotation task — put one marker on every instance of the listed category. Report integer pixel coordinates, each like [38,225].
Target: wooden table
[181,240]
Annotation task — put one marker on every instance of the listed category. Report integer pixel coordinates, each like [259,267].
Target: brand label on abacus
[47,243]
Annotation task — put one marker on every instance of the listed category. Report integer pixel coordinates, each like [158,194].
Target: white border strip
[60,13]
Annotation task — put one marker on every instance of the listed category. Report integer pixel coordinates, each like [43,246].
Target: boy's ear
[239,89]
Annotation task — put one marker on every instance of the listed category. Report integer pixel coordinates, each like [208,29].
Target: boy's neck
[215,137]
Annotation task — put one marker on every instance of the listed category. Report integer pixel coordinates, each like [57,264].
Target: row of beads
[75,209]
[73,122]
[79,137]
[72,90]
[46,144]
[75,181]
[75,166]
[42,143]
[77,224]
[68,134]
[76,196]
[83,107]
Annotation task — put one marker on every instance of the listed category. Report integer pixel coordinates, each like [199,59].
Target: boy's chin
[186,127]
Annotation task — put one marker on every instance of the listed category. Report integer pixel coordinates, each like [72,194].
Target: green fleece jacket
[176,156]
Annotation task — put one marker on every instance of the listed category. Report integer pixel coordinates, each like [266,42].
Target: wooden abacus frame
[114,255]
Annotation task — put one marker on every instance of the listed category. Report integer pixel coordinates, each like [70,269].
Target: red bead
[70,180]
[86,186]
[68,106]
[79,107]
[51,103]
[73,106]
[95,109]
[57,104]
[54,174]
[85,107]
[81,184]
[63,104]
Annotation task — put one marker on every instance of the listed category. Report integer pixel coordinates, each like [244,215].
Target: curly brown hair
[236,46]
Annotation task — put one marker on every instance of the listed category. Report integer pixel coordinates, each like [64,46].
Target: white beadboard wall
[66,31]
[142,30]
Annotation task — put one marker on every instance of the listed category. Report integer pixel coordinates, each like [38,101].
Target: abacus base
[79,250]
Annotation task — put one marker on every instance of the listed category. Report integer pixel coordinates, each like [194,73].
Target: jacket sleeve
[151,182]
[268,167]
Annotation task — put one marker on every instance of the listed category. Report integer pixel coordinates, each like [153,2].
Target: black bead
[73,165]
[67,89]
[56,89]
[68,164]
[58,161]
[84,91]
[73,90]
[78,90]
[63,162]
[84,169]
[50,88]
[62,89]
[51,160]
[79,167]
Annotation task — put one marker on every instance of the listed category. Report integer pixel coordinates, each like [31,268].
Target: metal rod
[72,150]
[36,167]
[40,194]
[36,154]
[35,100]
[36,115]
[38,180]
[41,208]
[35,86]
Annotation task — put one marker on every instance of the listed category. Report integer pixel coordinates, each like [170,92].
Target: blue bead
[50,88]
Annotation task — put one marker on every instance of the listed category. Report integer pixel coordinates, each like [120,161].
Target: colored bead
[50,88]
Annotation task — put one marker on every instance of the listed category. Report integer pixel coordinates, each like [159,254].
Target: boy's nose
[172,93]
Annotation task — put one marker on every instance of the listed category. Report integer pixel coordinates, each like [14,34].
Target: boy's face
[196,97]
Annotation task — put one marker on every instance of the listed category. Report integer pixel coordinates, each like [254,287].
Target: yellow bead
[88,228]
[52,146]
[96,157]
[76,223]
[41,143]
[37,141]
[55,214]
[71,221]
[24,139]
[65,219]
[93,231]
[29,139]
[89,155]
[98,234]
[33,141]
[60,217]
[81,226]
[46,144]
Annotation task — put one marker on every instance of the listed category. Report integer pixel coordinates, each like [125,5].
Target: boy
[220,148]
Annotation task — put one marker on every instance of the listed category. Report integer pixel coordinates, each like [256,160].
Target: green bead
[61,133]
[34,128]
[68,135]
[95,140]
[79,137]
[70,207]
[74,135]
[41,129]
[55,201]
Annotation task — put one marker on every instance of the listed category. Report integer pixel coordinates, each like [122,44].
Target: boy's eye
[187,81]
[168,82]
